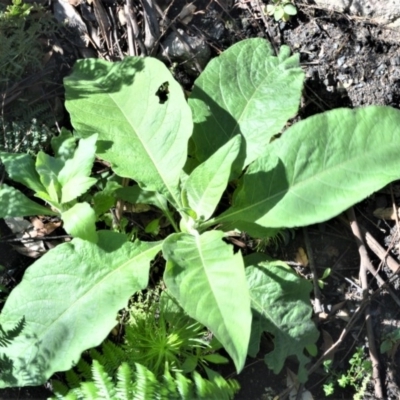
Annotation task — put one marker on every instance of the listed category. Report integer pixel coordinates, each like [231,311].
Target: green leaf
[281,306]
[290,9]
[63,145]
[15,204]
[74,176]
[70,298]
[143,137]
[208,181]
[48,169]
[247,91]
[136,195]
[106,198]
[278,13]
[80,222]
[209,282]
[319,167]
[21,168]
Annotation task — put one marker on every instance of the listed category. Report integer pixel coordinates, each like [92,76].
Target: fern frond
[145,384]
[124,386]
[103,382]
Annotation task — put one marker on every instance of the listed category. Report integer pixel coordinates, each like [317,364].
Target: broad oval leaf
[69,299]
[281,306]
[318,168]
[248,91]
[140,114]
[209,282]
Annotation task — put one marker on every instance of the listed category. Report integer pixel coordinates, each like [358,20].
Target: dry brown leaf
[186,15]
[386,213]
[301,257]
[327,344]
[292,381]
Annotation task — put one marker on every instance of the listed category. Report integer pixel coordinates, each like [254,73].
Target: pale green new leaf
[80,222]
[209,282]
[80,165]
[319,167]
[208,181]
[75,187]
[21,168]
[70,299]
[246,90]
[143,137]
[48,168]
[15,204]
[281,306]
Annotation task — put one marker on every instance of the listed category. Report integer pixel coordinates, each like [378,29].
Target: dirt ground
[349,62]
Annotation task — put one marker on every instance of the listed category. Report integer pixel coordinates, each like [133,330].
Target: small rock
[191,50]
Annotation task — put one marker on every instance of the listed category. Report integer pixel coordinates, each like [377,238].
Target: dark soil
[348,62]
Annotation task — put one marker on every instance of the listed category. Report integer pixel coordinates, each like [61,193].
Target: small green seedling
[325,275]
[391,343]
[358,375]
[281,10]
[57,180]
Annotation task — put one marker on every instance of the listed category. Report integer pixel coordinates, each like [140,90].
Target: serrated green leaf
[208,281]
[21,168]
[209,180]
[80,222]
[82,288]
[318,168]
[143,137]
[15,204]
[281,306]
[80,165]
[247,91]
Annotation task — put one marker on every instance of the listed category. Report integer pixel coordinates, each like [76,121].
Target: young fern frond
[103,381]
[124,389]
[141,383]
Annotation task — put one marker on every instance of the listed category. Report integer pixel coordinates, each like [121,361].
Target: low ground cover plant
[181,157]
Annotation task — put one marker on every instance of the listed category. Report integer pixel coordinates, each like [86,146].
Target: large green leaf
[208,181]
[248,91]
[209,282]
[69,299]
[143,137]
[319,167]
[13,203]
[281,306]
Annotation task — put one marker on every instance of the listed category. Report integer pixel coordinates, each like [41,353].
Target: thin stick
[365,261]
[317,291]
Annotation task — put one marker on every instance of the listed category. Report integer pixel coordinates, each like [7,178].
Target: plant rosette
[316,169]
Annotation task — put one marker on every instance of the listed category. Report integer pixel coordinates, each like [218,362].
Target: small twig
[365,261]
[317,291]
[115,34]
